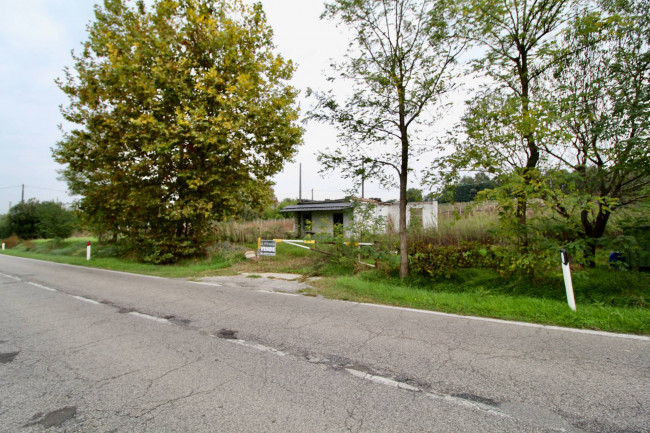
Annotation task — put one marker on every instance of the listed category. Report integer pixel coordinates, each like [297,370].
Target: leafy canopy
[400,62]
[182,113]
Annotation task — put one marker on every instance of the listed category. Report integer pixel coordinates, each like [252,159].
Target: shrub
[12,241]
[445,260]
[33,220]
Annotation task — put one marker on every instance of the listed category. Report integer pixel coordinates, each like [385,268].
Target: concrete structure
[312,217]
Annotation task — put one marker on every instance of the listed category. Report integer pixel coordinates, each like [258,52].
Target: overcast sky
[36,37]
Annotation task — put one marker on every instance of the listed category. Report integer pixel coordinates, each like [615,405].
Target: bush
[12,241]
[445,260]
[33,220]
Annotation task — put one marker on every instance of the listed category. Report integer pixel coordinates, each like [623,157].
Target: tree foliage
[466,189]
[183,113]
[506,122]
[401,63]
[413,195]
[34,220]
[601,98]
[564,118]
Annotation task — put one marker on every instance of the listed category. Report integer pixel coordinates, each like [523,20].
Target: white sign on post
[267,248]
[566,270]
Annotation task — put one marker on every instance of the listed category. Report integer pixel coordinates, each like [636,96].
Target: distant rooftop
[311,206]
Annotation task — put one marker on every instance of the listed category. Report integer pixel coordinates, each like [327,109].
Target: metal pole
[363,179]
[299,182]
[22,200]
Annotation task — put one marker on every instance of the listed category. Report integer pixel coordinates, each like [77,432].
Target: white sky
[36,37]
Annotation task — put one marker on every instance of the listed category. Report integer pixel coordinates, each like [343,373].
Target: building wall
[324,221]
[389,214]
[367,214]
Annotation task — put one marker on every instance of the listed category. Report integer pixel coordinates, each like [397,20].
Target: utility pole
[23,196]
[300,182]
[363,179]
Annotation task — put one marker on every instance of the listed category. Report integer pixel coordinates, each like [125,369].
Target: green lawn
[476,302]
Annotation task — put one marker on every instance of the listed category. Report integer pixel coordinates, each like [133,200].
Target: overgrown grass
[482,295]
[105,256]
[242,232]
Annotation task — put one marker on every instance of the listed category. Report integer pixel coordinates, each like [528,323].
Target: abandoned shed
[323,216]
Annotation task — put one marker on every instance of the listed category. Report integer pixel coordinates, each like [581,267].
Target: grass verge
[72,251]
[476,300]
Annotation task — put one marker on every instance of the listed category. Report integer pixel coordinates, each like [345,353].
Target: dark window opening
[337,219]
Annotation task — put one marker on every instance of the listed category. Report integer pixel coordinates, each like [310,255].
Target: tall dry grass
[241,232]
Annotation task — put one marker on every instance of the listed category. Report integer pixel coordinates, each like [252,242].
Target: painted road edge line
[11,277]
[90,301]
[258,346]
[278,293]
[40,286]
[146,316]
[205,283]
[382,380]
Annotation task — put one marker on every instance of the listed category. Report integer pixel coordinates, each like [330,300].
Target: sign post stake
[568,284]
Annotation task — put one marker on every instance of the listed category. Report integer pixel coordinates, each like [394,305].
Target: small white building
[356,215]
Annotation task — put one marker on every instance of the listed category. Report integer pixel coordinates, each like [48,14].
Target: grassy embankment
[607,300]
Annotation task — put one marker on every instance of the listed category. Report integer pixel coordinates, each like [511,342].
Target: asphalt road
[98,351]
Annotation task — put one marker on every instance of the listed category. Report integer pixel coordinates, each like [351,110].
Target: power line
[47,189]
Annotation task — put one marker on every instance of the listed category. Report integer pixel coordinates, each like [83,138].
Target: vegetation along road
[94,350]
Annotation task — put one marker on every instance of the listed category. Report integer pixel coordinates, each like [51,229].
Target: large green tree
[601,96]
[33,219]
[400,64]
[506,122]
[183,114]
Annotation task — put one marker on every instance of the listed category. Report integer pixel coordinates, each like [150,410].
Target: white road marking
[42,287]
[278,293]
[382,380]
[90,301]
[205,283]
[146,316]
[445,397]
[11,277]
[257,346]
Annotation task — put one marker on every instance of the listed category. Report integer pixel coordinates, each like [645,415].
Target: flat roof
[321,206]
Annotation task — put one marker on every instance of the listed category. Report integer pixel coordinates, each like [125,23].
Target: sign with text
[267,248]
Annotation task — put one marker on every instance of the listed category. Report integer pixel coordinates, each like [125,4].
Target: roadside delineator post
[568,284]
[3,246]
[88,251]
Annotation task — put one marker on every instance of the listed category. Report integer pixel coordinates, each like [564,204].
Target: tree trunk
[403,183]
[594,231]
[403,234]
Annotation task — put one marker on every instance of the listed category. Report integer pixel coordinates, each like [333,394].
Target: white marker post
[88,251]
[566,270]
[3,246]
